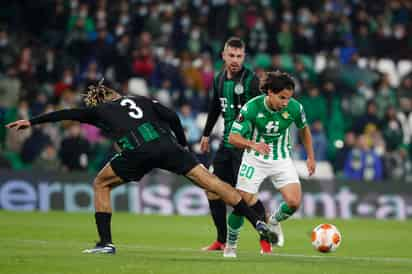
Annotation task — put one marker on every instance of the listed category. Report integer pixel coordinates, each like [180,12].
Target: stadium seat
[262,60]
[320,63]
[324,170]
[372,63]
[362,62]
[404,67]
[217,129]
[307,61]
[286,62]
[218,65]
[201,120]
[138,86]
[388,66]
[15,160]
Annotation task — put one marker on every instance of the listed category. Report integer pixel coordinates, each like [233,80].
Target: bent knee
[249,198]
[98,183]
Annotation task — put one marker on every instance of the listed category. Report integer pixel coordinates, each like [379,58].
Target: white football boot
[276,228]
[229,251]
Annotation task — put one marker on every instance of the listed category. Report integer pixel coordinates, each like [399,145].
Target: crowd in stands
[350,60]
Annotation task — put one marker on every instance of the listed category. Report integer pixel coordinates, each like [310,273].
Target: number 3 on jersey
[136,112]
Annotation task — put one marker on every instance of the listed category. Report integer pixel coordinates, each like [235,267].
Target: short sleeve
[243,123]
[300,119]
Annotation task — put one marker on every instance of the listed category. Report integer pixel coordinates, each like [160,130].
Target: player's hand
[204,144]
[20,124]
[311,165]
[262,148]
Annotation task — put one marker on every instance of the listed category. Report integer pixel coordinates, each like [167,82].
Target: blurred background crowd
[350,59]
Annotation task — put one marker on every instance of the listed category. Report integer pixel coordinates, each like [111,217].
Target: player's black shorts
[164,153]
[226,164]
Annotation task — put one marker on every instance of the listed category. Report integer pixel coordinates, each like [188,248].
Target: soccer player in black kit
[232,88]
[143,129]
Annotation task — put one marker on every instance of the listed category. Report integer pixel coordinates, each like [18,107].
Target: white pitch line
[376,259]
[188,249]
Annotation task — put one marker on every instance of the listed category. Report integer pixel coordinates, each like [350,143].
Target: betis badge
[239,88]
[285,115]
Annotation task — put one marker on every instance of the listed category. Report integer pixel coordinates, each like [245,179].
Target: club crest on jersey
[239,89]
[285,115]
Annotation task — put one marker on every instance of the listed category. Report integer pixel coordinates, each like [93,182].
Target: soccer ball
[326,238]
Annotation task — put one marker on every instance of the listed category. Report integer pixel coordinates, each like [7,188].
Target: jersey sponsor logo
[237,126]
[303,117]
[260,115]
[223,103]
[272,128]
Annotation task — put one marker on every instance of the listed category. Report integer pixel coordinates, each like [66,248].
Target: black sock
[261,212]
[103,220]
[242,208]
[218,211]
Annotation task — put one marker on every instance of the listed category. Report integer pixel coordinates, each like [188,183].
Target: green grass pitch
[52,242]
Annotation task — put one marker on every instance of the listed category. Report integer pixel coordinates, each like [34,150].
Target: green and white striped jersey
[257,122]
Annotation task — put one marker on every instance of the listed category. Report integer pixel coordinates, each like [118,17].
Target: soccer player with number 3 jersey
[262,129]
[149,136]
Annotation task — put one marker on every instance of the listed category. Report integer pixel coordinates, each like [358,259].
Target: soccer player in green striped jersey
[262,129]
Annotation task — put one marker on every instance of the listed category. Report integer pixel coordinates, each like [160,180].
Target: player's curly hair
[276,81]
[98,94]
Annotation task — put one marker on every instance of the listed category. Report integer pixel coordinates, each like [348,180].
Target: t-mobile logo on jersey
[223,103]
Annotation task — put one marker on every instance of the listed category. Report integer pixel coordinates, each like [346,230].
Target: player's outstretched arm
[83,115]
[19,124]
[86,115]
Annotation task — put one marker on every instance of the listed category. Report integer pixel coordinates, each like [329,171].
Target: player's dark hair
[276,81]
[235,42]
[97,94]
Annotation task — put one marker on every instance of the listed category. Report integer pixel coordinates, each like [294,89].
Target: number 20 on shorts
[246,171]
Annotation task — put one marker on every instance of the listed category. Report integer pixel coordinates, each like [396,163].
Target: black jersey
[130,121]
[229,95]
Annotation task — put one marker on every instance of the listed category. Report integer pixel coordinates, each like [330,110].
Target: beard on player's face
[234,58]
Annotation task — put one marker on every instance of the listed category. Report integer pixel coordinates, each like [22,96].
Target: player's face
[234,58]
[279,100]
